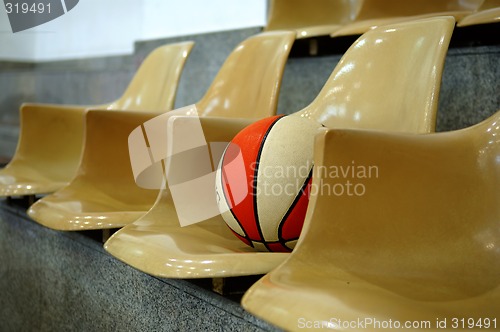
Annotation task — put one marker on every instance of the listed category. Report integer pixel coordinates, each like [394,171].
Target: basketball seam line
[255,209]
[290,209]
[271,242]
[223,177]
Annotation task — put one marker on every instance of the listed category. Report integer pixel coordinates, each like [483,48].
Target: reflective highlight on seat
[51,136]
[420,243]
[410,57]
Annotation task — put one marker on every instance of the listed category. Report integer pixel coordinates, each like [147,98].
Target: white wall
[176,18]
[110,27]
[19,47]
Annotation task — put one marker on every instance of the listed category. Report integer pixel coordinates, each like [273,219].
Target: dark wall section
[470,89]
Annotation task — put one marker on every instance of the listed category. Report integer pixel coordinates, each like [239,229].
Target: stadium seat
[375,13]
[488,12]
[419,245]
[310,18]
[51,136]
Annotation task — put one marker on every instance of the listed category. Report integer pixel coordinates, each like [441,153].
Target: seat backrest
[403,63]
[372,9]
[296,14]
[248,83]
[489,4]
[154,85]
[489,12]
[427,210]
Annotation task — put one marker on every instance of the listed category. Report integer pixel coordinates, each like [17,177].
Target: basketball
[263,181]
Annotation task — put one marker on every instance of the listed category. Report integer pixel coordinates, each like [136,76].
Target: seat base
[158,245]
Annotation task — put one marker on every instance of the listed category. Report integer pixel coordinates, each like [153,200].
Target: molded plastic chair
[51,136]
[409,57]
[375,13]
[489,12]
[311,18]
[104,195]
[420,244]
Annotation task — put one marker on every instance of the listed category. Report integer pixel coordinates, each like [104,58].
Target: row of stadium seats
[429,217]
[351,17]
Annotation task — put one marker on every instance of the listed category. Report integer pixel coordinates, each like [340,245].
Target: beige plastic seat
[375,13]
[420,244]
[311,18]
[104,195]
[51,136]
[489,12]
[410,59]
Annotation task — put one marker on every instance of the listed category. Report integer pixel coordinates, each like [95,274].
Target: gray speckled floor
[470,89]
[57,281]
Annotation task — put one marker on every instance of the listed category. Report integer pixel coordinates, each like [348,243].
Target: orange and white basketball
[265,203]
